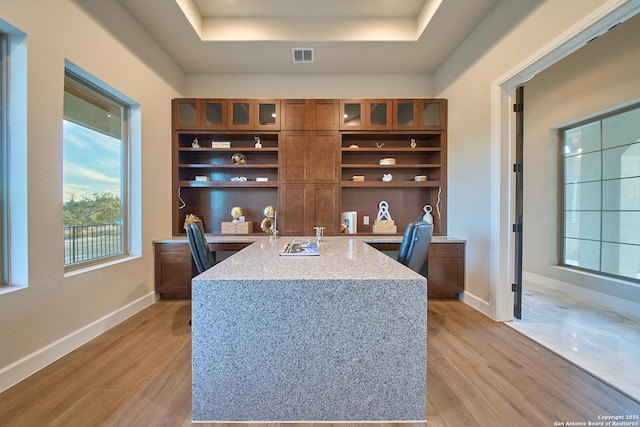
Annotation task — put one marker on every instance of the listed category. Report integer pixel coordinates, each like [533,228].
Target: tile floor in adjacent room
[600,341]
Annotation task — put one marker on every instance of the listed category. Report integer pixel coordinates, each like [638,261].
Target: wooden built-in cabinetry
[174,267]
[311,149]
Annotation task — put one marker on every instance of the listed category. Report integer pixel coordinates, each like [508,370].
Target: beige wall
[598,77]
[52,307]
[310,85]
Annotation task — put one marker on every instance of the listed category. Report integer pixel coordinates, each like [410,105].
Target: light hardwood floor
[480,373]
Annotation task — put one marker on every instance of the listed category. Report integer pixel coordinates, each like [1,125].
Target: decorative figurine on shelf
[236,213]
[387,177]
[380,144]
[413,143]
[427,214]
[258,143]
[189,219]
[269,223]
[384,223]
[239,159]
[195,143]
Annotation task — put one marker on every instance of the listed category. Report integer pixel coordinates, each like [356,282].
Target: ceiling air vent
[302,55]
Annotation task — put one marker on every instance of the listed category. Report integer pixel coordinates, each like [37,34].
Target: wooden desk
[174,267]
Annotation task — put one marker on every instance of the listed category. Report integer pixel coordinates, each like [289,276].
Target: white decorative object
[384,224]
[383,211]
[387,177]
[349,220]
[220,144]
[387,161]
[258,143]
[202,178]
[195,143]
[427,214]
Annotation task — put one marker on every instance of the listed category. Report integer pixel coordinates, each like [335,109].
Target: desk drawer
[446,250]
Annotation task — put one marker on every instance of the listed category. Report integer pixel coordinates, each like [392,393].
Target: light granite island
[335,337]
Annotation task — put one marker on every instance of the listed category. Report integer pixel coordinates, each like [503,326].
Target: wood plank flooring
[480,373]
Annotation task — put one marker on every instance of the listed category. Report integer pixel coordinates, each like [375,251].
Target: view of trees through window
[93,180]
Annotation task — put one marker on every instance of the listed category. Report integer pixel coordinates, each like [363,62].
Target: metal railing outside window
[89,242]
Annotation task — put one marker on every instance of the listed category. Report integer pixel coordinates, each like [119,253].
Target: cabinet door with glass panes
[199,114]
[366,114]
[254,114]
[419,114]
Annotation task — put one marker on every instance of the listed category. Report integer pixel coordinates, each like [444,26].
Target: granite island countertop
[309,338]
[340,257]
[251,238]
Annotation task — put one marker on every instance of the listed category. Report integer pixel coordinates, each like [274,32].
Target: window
[3,161]
[601,194]
[95,145]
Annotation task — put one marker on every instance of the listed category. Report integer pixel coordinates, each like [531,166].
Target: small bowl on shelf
[420,178]
[387,161]
[357,178]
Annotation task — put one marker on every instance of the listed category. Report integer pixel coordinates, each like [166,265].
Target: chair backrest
[406,242]
[415,245]
[202,256]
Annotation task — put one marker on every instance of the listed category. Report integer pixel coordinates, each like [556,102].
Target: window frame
[90,84]
[563,212]
[4,225]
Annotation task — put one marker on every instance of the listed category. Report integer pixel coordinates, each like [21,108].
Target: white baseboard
[479,304]
[608,302]
[32,363]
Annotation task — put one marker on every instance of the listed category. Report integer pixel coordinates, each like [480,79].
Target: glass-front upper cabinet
[254,114]
[185,113]
[433,114]
[200,113]
[419,114]
[351,111]
[365,114]
[378,116]
[215,114]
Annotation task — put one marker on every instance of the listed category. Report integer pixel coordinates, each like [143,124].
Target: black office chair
[415,245]
[203,258]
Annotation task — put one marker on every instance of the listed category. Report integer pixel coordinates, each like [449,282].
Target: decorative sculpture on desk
[384,224]
[236,213]
[269,223]
[427,214]
[189,219]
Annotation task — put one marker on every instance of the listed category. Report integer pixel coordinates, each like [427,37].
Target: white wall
[512,32]
[54,313]
[598,77]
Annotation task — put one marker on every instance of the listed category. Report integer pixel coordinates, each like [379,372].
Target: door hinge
[514,287]
[518,108]
[518,167]
[517,228]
